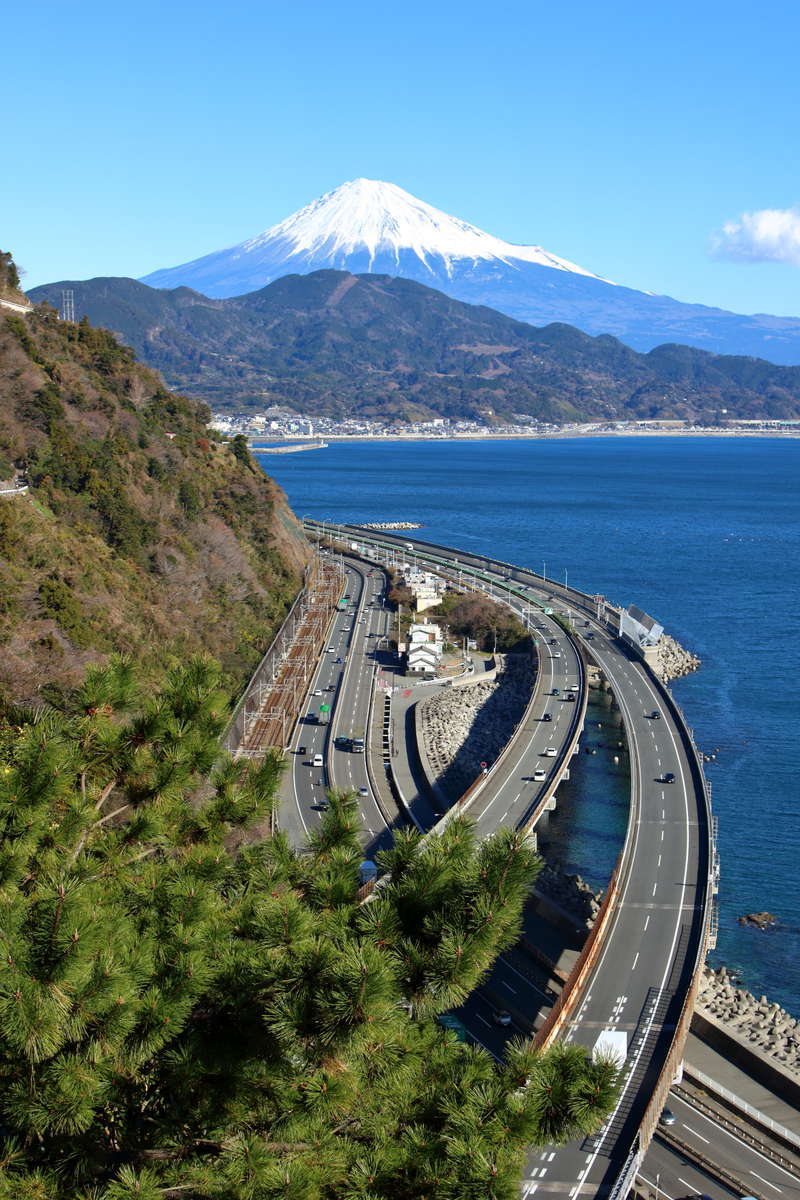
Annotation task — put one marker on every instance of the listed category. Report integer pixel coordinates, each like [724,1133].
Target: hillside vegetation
[332,343]
[141,532]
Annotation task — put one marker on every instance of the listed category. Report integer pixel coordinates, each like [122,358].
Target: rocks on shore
[570,892]
[769,1029]
[761,920]
[463,727]
[673,661]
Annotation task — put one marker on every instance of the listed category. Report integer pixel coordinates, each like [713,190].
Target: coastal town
[276,423]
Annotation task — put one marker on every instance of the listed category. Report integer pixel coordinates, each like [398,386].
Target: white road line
[774,1186]
[662,1192]
[636,959]
[696,1134]
[646,922]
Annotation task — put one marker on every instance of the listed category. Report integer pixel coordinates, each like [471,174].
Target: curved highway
[343,681]
[656,931]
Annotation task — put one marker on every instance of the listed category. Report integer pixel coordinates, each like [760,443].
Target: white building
[424,648]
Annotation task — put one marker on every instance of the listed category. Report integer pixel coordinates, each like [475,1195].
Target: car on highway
[301,750]
[363,791]
[556,654]
[341,742]
[539,775]
[550,752]
[338,660]
[655,715]
[317,760]
[331,650]
[667,1117]
[311,717]
[668,777]
[556,691]
[546,717]
[570,696]
[317,692]
[501,1017]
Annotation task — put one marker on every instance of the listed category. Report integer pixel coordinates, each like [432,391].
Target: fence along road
[646,969]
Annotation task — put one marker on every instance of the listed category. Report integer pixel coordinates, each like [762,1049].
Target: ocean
[703,534]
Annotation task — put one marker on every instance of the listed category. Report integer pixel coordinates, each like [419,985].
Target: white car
[317,691]
[331,650]
[550,752]
[363,791]
[539,775]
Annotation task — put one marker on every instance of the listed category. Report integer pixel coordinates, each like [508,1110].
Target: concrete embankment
[753,1032]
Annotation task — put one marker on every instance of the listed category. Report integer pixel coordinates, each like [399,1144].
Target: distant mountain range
[370,226]
[331,343]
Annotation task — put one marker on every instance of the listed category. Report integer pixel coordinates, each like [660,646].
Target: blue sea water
[704,534]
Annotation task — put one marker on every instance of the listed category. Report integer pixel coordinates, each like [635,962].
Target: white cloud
[768,235]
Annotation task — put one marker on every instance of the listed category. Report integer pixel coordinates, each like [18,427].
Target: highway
[643,973]
[342,680]
[676,1171]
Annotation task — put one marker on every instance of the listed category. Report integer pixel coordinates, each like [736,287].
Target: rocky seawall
[673,661]
[768,1028]
[571,893]
[463,727]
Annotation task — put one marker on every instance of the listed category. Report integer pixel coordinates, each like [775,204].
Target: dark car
[668,777]
[667,1117]
[655,715]
[546,717]
[570,696]
[501,1017]
[301,750]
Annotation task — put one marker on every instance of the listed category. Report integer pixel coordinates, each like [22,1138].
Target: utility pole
[544,571]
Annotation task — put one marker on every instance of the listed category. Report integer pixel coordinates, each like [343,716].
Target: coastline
[560,435]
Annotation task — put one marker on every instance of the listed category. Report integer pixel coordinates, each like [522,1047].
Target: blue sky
[623,137]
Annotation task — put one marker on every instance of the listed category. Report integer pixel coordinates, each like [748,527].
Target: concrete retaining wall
[747,1057]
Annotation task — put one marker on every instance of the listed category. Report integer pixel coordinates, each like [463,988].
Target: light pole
[544,571]
[565,580]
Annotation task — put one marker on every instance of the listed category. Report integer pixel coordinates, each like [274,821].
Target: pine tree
[179,1020]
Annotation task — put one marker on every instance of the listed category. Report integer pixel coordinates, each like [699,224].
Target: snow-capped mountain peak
[363,225]
[368,214]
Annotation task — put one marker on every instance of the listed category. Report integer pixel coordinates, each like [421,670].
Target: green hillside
[332,343]
[141,531]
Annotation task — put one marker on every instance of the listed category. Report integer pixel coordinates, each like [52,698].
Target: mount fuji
[368,226]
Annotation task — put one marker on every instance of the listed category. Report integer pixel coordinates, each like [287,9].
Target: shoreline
[792,434]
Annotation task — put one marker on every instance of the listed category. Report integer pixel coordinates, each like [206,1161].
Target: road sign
[324,708]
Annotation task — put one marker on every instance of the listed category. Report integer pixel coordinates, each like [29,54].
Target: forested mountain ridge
[142,531]
[333,343]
